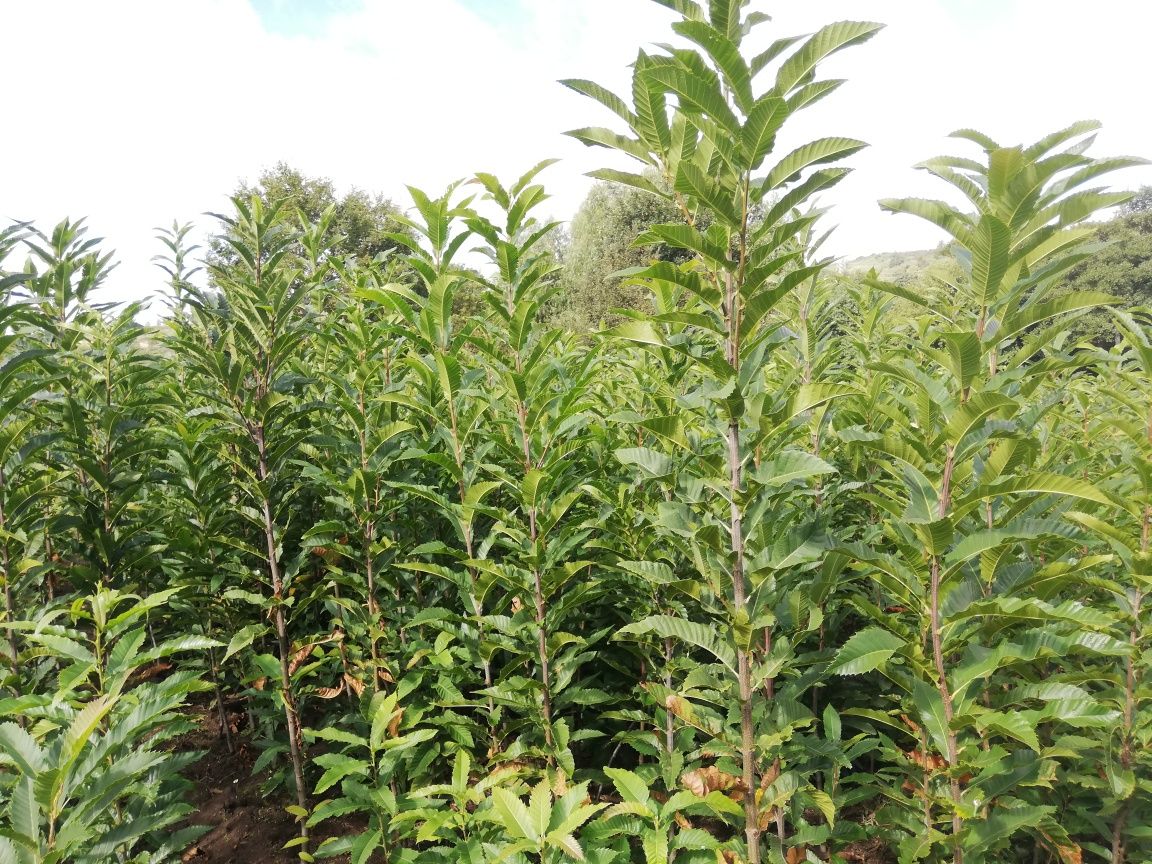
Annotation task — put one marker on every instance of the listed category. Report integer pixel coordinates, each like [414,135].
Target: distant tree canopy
[602,232]
[1123,268]
[362,221]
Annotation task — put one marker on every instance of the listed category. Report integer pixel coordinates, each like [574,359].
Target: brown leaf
[796,855]
[394,725]
[771,775]
[330,692]
[711,779]
[299,657]
[259,683]
[507,769]
[354,683]
[1072,854]
[149,672]
[930,762]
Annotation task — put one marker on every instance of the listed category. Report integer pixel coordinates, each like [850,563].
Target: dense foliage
[764,572]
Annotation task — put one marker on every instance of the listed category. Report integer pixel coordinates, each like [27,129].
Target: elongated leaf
[990,244]
[866,651]
[697,95]
[21,748]
[668,627]
[827,40]
[630,787]
[817,152]
[513,815]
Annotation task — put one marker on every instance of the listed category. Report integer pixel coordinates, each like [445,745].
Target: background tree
[1122,268]
[601,244]
[363,222]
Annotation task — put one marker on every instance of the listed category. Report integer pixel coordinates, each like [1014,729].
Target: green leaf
[758,135]
[990,244]
[512,813]
[697,95]
[244,637]
[866,651]
[790,465]
[1004,823]
[826,41]
[651,462]
[698,186]
[686,237]
[818,152]
[21,748]
[668,627]
[1041,482]
[1014,724]
[336,768]
[630,786]
[930,708]
[655,845]
[540,808]
[964,351]
[725,54]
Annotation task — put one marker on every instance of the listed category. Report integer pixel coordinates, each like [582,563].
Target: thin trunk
[1120,825]
[669,736]
[284,645]
[221,711]
[369,542]
[541,639]
[537,578]
[941,672]
[9,601]
[469,545]
[946,700]
[373,606]
[739,594]
[669,718]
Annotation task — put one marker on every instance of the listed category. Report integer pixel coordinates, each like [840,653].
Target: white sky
[135,112]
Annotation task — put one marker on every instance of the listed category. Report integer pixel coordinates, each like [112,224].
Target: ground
[245,826]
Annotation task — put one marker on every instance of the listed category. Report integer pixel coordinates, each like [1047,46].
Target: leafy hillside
[902,268]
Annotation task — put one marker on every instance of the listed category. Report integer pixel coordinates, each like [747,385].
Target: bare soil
[245,827]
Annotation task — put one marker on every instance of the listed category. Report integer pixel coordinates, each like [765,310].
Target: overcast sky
[135,112]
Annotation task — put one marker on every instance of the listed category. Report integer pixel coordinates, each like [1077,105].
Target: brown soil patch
[867,852]
[244,826]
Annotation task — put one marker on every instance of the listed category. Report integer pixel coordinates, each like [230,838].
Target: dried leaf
[394,723]
[711,779]
[1068,854]
[930,762]
[298,657]
[354,684]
